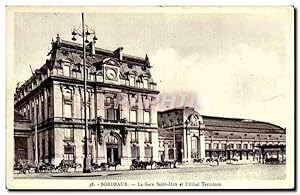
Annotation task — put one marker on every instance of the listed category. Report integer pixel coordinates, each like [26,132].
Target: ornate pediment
[195,120]
[110,61]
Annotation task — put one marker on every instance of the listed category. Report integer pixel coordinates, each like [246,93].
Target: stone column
[189,147]
[45,104]
[141,144]
[126,153]
[40,108]
[100,104]
[155,146]
[184,145]
[202,145]
[166,151]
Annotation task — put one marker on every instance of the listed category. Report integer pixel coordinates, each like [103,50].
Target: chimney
[119,53]
[93,47]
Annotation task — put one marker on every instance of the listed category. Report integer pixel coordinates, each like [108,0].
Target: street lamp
[84,34]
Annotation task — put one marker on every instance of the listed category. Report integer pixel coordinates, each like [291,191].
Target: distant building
[22,134]
[197,136]
[52,101]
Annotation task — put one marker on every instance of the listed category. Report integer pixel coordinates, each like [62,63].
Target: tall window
[69,153]
[238,146]
[67,99]
[133,116]
[147,136]
[48,103]
[43,108]
[32,111]
[68,110]
[146,117]
[69,134]
[134,136]
[28,111]
[245,146]
[111,113]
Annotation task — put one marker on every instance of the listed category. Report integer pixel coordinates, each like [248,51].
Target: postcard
[150,98]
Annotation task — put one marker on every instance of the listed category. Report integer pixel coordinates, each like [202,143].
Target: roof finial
[58,38]
[147,60]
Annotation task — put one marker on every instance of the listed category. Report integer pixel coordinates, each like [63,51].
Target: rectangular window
[223,146]
[133,117]
[67,110]
[147,136]
[134,137]
[216,146]
[245,146]
[207,146]
[251,146]
[69,134]
[67,70]
[146,83]
[146,117]
[43,108]
[230,146]
[69,152]
[238,146]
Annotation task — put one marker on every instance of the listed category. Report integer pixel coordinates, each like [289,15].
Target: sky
[237,63]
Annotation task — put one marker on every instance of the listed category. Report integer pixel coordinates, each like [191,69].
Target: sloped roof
[234,124]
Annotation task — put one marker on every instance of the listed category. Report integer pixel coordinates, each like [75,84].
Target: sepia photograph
[150,98]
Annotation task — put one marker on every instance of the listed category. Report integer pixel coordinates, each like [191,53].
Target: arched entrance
[113,149]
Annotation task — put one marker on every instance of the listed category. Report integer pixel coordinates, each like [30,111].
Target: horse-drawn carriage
[65,166]
[105,166]
[137,164]
[25,166]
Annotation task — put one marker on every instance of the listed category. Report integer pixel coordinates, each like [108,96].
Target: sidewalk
[81,174]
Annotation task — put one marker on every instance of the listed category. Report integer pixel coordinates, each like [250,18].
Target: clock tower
[111,69]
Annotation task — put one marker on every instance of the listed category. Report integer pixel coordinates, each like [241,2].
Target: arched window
[111,139]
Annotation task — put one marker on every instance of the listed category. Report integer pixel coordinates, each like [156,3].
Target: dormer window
[131,81]
[67,70]
[146,83]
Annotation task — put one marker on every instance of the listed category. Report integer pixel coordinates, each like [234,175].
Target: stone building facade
[197,136]
[120,88]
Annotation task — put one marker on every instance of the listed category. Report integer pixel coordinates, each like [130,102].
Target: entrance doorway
[112,154]
[112,149]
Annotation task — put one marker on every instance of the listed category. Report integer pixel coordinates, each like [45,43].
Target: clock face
[111,74]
